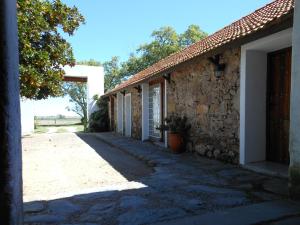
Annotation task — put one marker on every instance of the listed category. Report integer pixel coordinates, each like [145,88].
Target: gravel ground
[59,165]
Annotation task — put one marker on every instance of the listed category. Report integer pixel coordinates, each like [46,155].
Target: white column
[294,171]
[145,111]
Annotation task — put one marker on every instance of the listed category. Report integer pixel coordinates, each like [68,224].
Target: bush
[99,120]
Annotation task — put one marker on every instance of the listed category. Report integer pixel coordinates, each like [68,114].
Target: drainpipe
[294,169]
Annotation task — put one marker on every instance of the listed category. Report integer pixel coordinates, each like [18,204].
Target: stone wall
[136,113]
[115,114]
[211,105]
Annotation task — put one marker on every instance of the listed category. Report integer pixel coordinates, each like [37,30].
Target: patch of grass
[40,130]
[61,130]
[79,128]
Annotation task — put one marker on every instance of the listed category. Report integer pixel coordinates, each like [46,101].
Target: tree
[90,62]
[43,50]
[113,74]
[192,35]
[165,42]
[78,96]
[99,120]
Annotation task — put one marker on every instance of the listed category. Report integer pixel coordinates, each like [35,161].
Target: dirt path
[59,165]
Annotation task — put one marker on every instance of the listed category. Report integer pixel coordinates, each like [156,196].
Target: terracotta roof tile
[243,27]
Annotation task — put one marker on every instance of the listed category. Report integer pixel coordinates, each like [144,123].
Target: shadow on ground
[177,186]
[125,164]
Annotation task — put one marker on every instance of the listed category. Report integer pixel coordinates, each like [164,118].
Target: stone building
[237,88]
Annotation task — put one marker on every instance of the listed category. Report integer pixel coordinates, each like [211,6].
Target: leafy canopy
[165,42]
[43,50]
[90,62]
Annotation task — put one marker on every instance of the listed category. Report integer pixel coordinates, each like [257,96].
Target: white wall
[27,116]
[253,112]
[95,86]
[95,82]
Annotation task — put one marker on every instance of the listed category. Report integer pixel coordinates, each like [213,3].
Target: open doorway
[265,102]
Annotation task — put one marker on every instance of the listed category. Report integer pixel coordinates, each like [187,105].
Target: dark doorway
[278,113]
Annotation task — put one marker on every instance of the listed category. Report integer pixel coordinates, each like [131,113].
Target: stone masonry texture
[211,105]
[136,113]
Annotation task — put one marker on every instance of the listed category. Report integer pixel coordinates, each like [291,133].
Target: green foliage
[112,71]
[165,42]
[40,129]
[176,124]
[77,93]
[90,62]
[43,50]
[192,35]
[99,120]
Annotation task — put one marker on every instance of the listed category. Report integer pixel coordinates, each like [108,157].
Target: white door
[154,110]
[127,115]
[120,113]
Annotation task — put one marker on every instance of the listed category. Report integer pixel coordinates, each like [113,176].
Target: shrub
[99,120]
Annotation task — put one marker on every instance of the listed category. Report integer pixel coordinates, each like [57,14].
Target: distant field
[57,122]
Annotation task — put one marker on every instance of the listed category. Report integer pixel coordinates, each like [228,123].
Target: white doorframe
[253,85]
[127,117]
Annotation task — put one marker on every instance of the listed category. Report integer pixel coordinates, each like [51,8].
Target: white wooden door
[127,115]
[154,110]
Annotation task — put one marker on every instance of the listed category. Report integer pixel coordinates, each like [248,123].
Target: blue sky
[117,28]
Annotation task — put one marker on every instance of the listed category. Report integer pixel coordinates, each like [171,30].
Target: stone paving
[180,187]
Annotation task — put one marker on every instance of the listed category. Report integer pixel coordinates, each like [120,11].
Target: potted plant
[178,128]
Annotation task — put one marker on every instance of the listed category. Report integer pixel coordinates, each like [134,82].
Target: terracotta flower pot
[176,142]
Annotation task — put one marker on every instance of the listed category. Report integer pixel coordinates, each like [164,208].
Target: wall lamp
[138,88]
[167,77]
[219,67]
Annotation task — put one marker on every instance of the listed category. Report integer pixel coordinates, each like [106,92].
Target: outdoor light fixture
[123,92]
[167,77]
[138,88]
[219,67]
